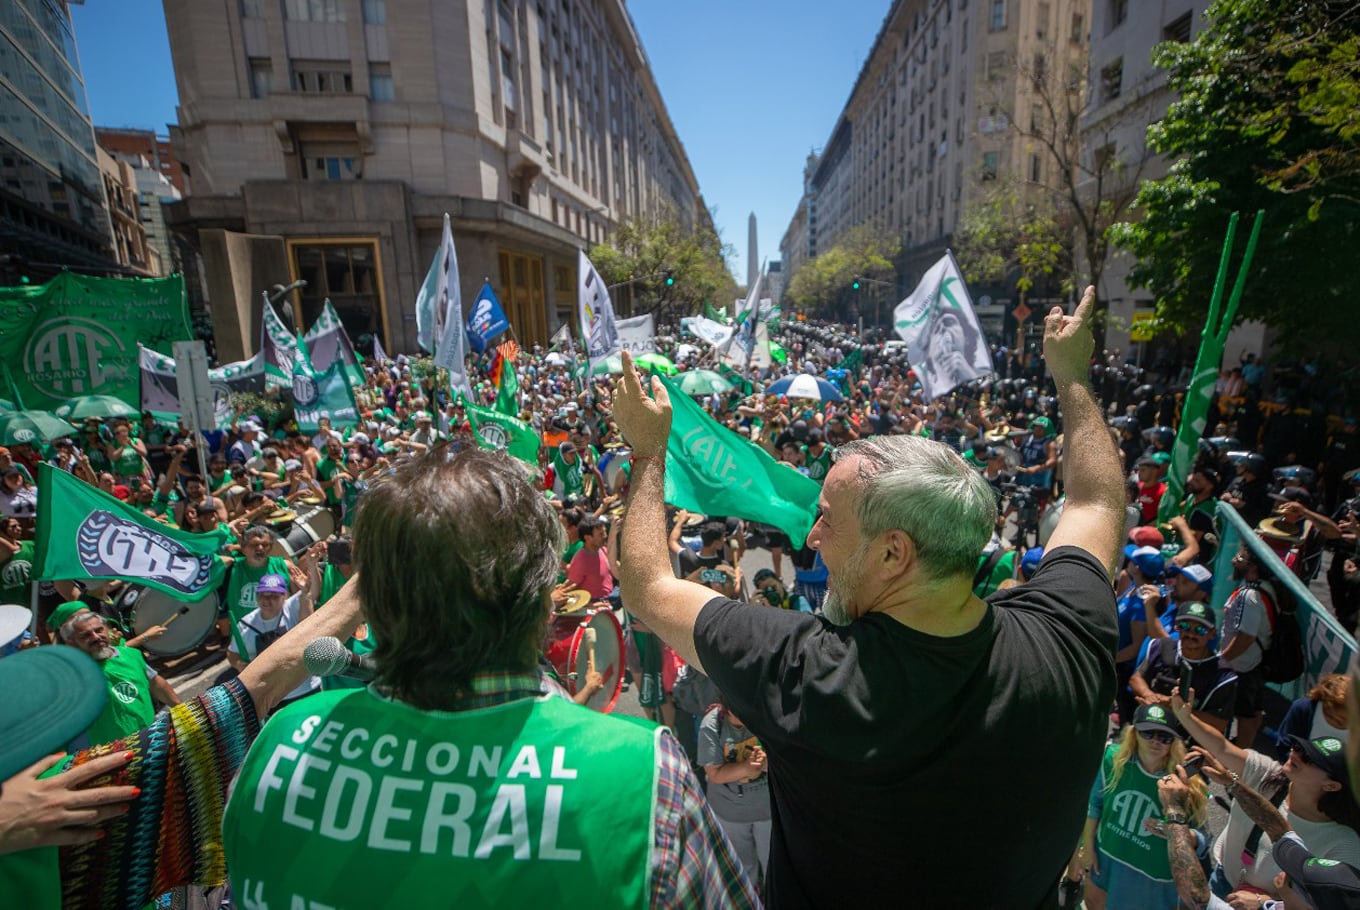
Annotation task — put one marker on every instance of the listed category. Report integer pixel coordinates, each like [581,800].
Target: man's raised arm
[668,605]
[1093,517]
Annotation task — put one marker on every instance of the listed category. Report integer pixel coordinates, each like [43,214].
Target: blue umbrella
[805,385]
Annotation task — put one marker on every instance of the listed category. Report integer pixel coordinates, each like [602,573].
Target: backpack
[1282,662]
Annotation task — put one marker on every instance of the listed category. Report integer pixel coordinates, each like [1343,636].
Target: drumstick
[590,650]
[177,614]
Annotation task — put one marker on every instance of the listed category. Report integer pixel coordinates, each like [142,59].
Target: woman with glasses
[1123,847]
[1312,789]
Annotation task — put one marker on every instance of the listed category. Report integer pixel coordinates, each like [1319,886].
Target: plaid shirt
[693,863]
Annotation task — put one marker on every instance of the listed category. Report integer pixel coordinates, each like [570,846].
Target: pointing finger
[631,384]
[1088,302]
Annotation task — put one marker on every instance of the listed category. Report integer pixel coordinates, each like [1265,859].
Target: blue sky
[751,86]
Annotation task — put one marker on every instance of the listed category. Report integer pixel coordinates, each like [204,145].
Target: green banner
[77,335]
[84,532]
[507,388]
[317,395]
[1200,391]
[511,435]
[713,471]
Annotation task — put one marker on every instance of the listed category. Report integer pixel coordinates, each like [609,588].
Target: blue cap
[1030,561]
[1147,559]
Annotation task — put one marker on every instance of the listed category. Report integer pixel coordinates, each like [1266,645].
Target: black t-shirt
[1215,685]
[690,560]
[897,758]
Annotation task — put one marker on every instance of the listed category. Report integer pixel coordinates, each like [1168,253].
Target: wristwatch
[1175,818]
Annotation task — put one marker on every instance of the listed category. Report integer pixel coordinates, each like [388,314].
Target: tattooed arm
[1191,886]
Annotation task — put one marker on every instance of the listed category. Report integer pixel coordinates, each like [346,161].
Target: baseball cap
[1041,422]
[1147,536]
[1202,576]
[292,464]
[1160,458]
[1327,752]
[1030,561]
[1324,883]
[52,695]
[359,439]
[1153,717]
[762,575]
[63,612]
[1147,559]
[1145,461]
[272,584]
[1294,494]
[1200,612]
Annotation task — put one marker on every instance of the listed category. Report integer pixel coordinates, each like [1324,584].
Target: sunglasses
[1165,739]
[1193,628]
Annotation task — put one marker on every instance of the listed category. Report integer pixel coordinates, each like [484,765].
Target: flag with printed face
[486,321]
[599,331]
[945,344]
[321,394]
[278,346]
[83,532]
[328,343]
[713,471]
[437,291]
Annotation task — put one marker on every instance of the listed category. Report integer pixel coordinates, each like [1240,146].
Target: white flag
[944,342]
[561,337]
[638,334]
[379,355]
[450,355]
[709,331]
[599,333]
[749,346]
[440,286]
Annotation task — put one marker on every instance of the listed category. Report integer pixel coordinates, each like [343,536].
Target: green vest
[1121,833]
[127,462]
[818,465]
[130,706]
[14,575]
[32,878]
[573,483]
[242,583]
[325,470]
[350,800]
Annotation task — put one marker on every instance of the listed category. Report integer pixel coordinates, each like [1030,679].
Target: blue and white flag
[599,331]
[945,344]
[486,321]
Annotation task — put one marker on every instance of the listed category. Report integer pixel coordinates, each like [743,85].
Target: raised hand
[644,420]
[1068,341]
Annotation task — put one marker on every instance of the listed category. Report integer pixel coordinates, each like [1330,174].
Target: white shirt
[253,625]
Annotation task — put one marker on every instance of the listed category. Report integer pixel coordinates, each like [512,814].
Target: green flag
[1195,414]
[507,383]
[84,532]
[511,435]
[327,394]
[714,471]
[77,335]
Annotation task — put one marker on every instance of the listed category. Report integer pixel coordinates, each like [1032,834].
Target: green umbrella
[656,363]
[102,406]
[33,426]
[704,382]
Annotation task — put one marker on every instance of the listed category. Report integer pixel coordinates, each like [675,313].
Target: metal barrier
[1327,647]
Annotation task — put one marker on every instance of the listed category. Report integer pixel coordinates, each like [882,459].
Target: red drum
[571,650]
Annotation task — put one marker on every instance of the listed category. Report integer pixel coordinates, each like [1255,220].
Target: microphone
[329,657]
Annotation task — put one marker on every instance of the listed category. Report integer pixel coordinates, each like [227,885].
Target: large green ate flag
[714,471]
[77,335]
[317,395]
[84,532]
[511,435]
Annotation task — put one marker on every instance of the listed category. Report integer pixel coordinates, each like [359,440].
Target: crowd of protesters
[1191,682]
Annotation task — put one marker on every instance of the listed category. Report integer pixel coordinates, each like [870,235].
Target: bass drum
[313,526]
[611,466]
[186,623]
[1049,520]
[570,650]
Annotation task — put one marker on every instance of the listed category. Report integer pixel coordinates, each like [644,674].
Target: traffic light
[670,278]
[855,283]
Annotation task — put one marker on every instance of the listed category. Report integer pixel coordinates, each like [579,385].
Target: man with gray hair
[913,714]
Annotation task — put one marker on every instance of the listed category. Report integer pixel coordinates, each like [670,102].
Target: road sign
[1142,325]
[1021,312]
[195,392]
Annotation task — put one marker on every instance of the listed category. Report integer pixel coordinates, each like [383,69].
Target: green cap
[64,612]
[1162,458]
[1041,422]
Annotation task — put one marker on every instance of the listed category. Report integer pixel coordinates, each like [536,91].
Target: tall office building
[928,128]
[325,139]
[53,212]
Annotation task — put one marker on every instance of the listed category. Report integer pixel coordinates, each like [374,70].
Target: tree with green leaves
[644,252]
[1003,233]
[1267,118]
[823,283]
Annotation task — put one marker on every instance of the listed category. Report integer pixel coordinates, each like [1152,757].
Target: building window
[314,10]
[252,9]
[347,274]
[996,66]
[261,77]
[321,78]
[332,167]
[1078,28]
[1119,11]
[1035,168]
[1178,30]
[991,162]
[375,12]
[380,87]
[998,20]
[1112,80]
[1041,26]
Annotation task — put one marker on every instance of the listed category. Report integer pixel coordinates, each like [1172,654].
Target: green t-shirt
[325,470]
[818,465]
[127,462]
[498,806]
[130,706]
[242,582]
[1002,570]
[14,576]
[572,549]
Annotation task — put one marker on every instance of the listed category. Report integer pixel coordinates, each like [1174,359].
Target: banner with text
[638,334]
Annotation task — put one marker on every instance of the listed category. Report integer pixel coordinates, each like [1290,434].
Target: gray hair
[924,489]
[68,628]
[254,531]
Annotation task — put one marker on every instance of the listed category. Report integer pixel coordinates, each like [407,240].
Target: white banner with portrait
[945,345]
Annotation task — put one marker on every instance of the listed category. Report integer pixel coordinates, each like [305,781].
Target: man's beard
[105,653]
[840,587]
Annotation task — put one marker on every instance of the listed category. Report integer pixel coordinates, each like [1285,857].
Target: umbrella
[33,426]
[653,362]
[555,359]
[704,382]
[804,386]
[86,406]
